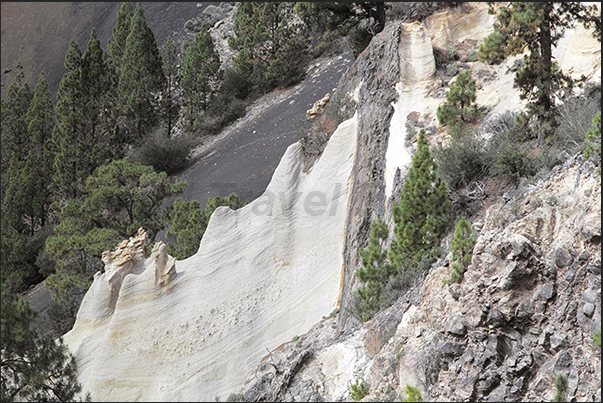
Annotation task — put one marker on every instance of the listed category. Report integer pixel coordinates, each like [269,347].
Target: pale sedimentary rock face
[157,329]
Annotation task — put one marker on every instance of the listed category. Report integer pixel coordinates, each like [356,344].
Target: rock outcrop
[156,329]
[526,311]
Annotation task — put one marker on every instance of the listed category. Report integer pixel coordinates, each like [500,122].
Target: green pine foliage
[460,104]
[375,271]
[463,160]
[68,132]
[359,390]
[269,44]
[189,222]
[120,33]
[201,76]
[120,198]
[413,394]
[15,134]
[328,21]
[141,79]
[593,143]
[27,196]
[462,250]
[170,108]
[85,136]
[33,367]
[421,217]
[560,388]
[534,28]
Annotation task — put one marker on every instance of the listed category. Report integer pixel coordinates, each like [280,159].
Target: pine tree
[188,223]
[269,44]
[120,33]
[98,84]
[120,198]
[141,79]
[170,108]
[537,28]
[462,247]
[86,134]
[38,170]
[201,75]
[33,367]
[593,143]
[69,130]
[421,216]
[459,101]
[15,135]
[375,271]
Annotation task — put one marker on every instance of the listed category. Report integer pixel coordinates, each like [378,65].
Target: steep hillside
[38,33]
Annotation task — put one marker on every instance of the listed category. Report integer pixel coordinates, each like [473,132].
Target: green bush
[513,163]
[375,271]
[341,107]
[597,338]
[463,160]
[234,397]
[164,154]
[593,139]
[413,394]
[422,216]
[359,390]
[234,85]
[460,101]
[462,248]
[560,388]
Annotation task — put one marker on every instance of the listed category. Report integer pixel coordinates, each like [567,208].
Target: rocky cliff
[253,312]
[156,329]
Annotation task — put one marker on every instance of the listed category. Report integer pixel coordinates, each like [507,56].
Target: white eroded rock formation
[156,329]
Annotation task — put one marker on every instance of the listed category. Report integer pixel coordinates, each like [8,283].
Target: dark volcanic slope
[38,34]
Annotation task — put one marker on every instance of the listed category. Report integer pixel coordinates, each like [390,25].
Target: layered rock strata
[156,329]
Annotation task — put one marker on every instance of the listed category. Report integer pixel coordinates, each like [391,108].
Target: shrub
[234,397]
[462,161]
[549,157]
[462,248]
[375,271]
[597,338]
[510,160]
[164,154]
[560,388]
[234,85]
[593,146]
[575,119]
[413,394]
[460,101]
[421,216]
[359,390]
